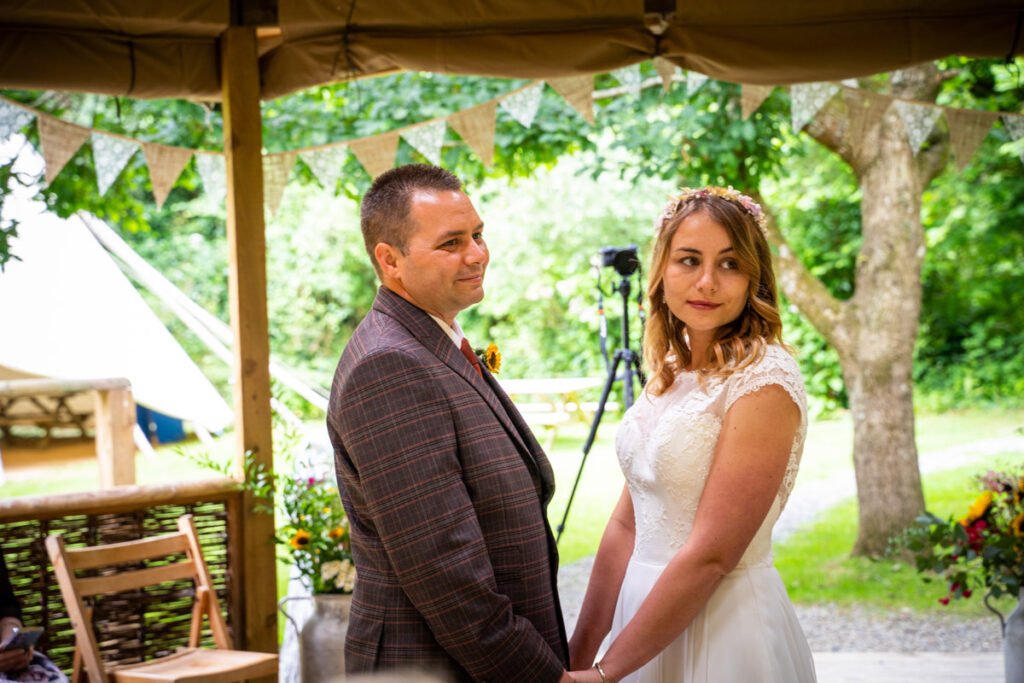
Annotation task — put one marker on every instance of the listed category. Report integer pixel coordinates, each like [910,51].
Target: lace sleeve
[776,367]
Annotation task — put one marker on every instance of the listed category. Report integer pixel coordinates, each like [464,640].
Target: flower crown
[688,194]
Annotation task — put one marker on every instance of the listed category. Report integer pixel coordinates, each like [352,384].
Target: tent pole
[243,140]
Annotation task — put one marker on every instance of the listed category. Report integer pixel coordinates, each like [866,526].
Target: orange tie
[467,351]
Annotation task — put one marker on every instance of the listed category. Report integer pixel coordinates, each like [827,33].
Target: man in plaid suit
[445,487]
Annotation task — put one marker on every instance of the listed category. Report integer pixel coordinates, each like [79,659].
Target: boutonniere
[490,357]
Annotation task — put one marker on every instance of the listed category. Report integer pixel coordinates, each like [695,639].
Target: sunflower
[300,540]
[978,508]
[492,357]
[337,533]
[1017,525]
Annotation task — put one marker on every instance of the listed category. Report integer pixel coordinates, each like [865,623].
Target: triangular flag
[865,110]
[13,119]
[523,104]
[807,99]
[578,91]
[427,138]
[850,82]
[211,167]
[630,78]
[326,164]
[1014,125]
[694,81]
[751,97]
[667,71]
[110,155]
[276,169]
[918,121]
[967,128]
[59,142]
[476,127]
[165,166]
[376,154]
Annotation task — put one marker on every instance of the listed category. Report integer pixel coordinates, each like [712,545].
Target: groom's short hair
[384,213]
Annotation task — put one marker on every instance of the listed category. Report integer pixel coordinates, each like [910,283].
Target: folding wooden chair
[192,664]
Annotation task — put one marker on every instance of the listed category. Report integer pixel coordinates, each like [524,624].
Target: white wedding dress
[748,631]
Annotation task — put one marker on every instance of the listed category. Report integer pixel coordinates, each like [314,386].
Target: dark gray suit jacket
[446,490]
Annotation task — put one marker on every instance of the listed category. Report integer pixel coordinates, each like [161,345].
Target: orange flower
[978,508]
[337,533]
[1017,525]
[300,540]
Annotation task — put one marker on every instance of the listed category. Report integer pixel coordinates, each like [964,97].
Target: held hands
[586,676]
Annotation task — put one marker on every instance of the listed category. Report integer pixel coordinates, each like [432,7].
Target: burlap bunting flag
[276,169]
[578,91]
[476,128]
[666,70]
[165,166]
[966,131]
[59,142]
[751,97]
[865,110]
[376,154]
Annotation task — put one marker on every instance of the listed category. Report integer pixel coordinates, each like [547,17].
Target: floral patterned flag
[59,142]
[110,155]
[667,71]
[751,97]
[967,129]
[211,167]
[12,119]
[326,164]
[522,105]
[578,91]
[376,154]
[918,120]
[276,169]
[694,81]
[630,78]
[165,165]
[427,138]
[476,127]
[807,99]
[1014,125]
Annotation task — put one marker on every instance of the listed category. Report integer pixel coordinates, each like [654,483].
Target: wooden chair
[192,664]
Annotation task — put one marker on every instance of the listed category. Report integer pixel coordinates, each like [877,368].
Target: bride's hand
[586,676]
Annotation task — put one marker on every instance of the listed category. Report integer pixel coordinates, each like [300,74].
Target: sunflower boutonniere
[490,357]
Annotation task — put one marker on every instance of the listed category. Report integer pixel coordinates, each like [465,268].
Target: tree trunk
[875,331]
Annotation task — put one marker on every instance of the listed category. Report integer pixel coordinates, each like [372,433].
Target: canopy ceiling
[155,48]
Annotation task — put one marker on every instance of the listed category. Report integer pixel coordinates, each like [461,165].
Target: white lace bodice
[666,444]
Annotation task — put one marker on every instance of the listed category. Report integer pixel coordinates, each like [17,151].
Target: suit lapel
[427,332]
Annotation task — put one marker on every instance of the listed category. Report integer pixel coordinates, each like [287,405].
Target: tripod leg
[609,382]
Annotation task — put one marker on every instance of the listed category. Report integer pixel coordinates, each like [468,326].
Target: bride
[684,578]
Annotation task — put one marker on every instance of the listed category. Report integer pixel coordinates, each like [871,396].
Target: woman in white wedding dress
[684,578]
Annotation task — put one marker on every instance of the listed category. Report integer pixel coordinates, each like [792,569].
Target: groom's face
[442,269]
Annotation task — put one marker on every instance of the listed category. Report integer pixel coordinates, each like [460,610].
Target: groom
[445,487]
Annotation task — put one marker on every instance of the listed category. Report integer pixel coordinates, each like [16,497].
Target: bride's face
[704,286]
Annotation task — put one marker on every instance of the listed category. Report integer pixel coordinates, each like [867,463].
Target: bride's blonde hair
[737,343]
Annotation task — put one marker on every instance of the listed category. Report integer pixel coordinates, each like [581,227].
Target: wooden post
[115,448]
[247,280]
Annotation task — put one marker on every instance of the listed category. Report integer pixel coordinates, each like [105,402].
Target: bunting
[865,110]
[694,80]
[276,170]
[523,104]
[966,131]
[165,166]
[807,99]
[376,154]
[59,142]
[326,164]
[211,167]
[666,70]
[476,128]
[13,119]
[918,120]
[427,139]
[752,96]
[1015,127]
[578,91]
[110,155]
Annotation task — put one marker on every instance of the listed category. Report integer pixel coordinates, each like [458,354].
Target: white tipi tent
[67,311]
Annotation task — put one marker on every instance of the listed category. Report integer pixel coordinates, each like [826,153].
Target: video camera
[623,259]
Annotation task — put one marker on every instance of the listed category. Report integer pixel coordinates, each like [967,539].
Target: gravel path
[830,628]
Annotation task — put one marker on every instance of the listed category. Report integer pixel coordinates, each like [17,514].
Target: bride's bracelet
[600,672]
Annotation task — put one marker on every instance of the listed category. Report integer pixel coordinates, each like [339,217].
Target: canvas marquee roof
[154,48]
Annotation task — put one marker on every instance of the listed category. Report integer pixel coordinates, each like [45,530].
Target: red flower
[966,593]
[944,600]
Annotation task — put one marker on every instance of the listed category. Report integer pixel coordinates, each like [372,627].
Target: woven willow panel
[130,627]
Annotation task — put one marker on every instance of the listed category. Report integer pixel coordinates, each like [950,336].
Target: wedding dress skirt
[748,631]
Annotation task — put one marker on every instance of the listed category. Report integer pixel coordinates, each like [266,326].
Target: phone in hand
[21,638]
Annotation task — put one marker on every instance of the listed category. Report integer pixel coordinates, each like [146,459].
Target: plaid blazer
[446,491]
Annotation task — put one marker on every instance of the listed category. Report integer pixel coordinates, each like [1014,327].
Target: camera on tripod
[623,259]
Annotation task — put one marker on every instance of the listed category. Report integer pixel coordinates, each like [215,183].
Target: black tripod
[623,355]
